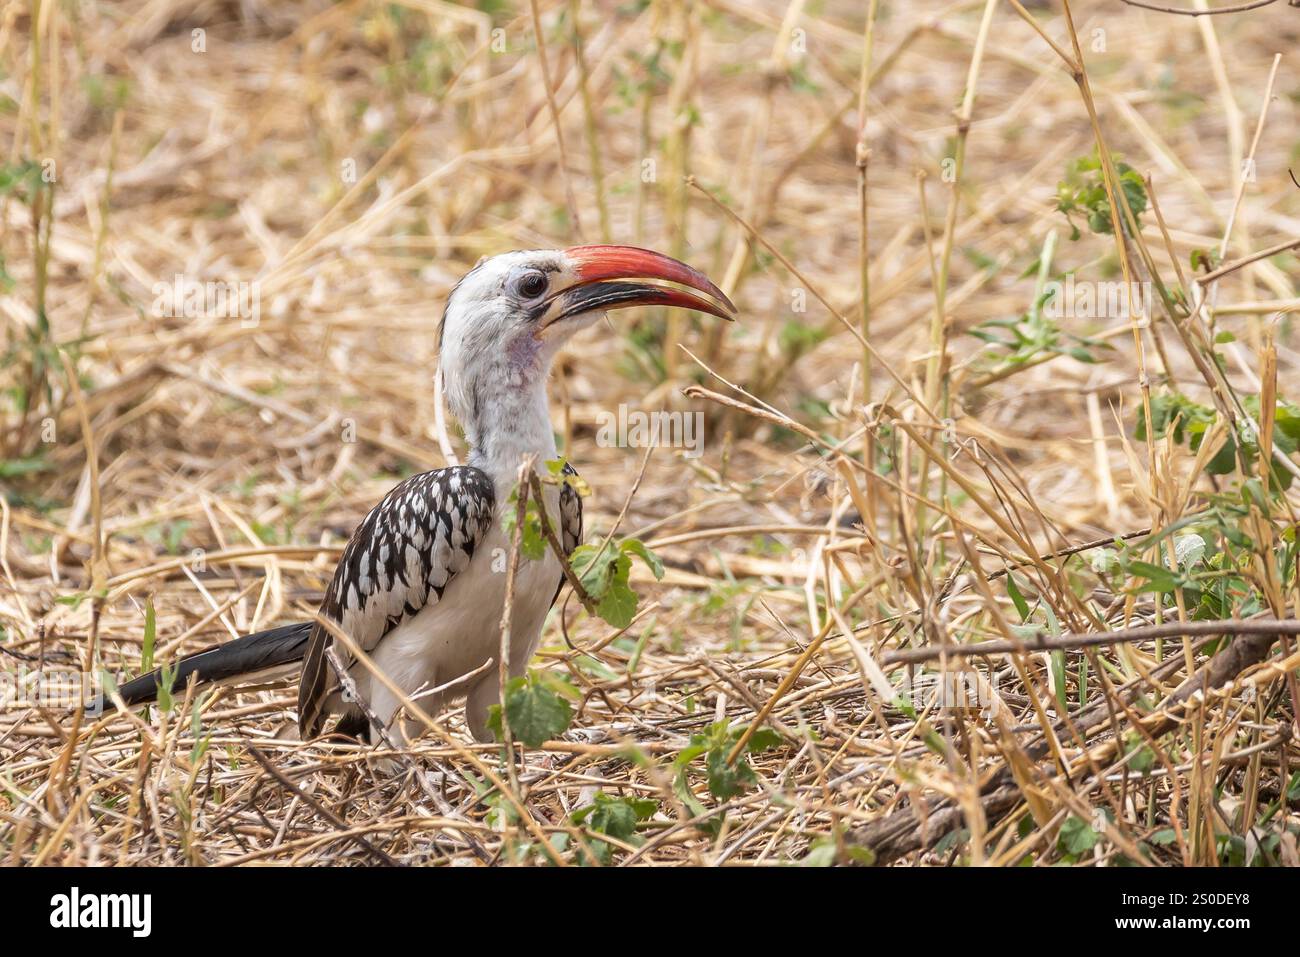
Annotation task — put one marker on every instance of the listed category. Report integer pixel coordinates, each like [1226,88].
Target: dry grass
[230,461]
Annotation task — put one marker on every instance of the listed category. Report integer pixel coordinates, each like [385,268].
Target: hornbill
[417,587]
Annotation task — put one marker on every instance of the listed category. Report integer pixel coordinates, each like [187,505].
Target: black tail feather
[243,656]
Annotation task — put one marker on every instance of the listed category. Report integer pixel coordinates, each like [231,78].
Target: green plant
[537,707]
[616,817]
[1083,192]
[725,779]
[1190,422]
[1033,337]
[604,570]
[33,353]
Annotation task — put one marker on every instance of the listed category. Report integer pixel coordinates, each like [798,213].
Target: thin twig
[1041,642]
[1239,8]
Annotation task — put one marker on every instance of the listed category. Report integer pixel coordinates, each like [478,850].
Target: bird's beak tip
[604,262]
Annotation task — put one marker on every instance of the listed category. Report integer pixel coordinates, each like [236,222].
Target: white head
[508,317]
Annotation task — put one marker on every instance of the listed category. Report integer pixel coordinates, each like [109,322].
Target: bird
[420,587]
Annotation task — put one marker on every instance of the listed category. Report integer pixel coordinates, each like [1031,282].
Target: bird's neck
[506,417]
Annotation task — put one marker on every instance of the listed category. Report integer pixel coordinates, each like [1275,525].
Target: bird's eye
[531,284]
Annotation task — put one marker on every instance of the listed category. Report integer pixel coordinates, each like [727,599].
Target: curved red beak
[603,271]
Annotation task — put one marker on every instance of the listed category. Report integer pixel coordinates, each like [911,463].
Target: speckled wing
[570,521]
[399,560]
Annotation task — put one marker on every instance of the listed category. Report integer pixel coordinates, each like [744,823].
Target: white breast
[459,634]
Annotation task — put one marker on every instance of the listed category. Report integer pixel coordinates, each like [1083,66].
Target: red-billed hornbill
[417,587]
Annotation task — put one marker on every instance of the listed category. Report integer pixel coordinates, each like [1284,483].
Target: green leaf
[711,825]
[532,543]
[150,636]
[952,839]
[537,713]
[604,574]
[201,740]
[166,682]
[617,817]
[1013,590]
[728,780]
[1159,578]
[821,854]
[796,338]
[1143,758]
[1076,836]
[1287,421]
[1084,190]
[594,567]
[1205,259]
[618,605]
[1224,461]
[26,174]
[14,468]
[762,740]
[716,743]
[634,546]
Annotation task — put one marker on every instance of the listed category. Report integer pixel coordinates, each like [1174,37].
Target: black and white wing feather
[399,560]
